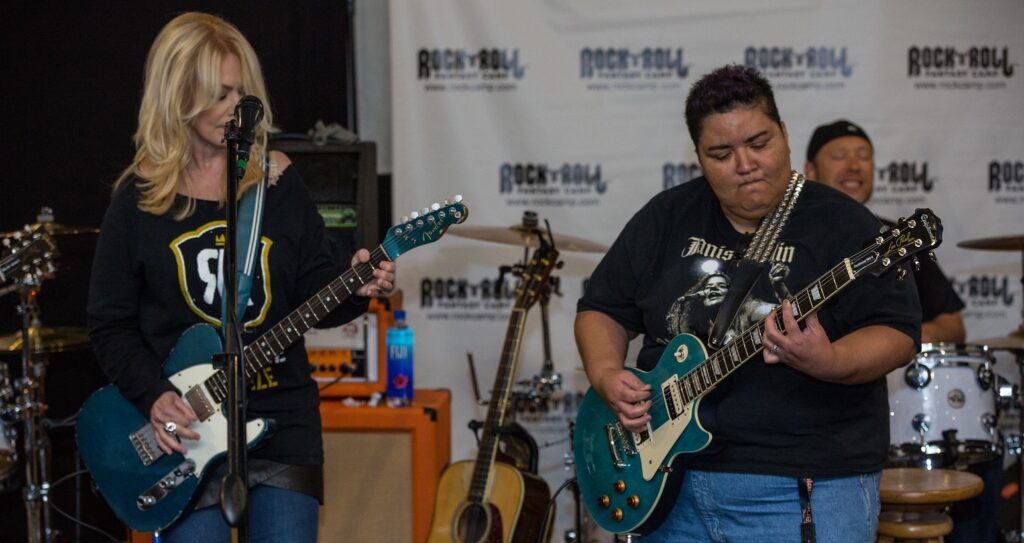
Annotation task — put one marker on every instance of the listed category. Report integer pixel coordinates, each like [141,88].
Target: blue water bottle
[399,345]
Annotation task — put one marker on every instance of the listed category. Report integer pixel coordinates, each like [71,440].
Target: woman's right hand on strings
[170,408]
[627,396]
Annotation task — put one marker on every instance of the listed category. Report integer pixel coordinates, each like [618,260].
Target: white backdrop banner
[574,109]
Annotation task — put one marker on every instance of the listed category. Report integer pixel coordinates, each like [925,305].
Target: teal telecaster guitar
[626,479]
[148,489]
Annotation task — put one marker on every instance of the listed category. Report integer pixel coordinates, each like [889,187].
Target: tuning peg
[435,206]
[405,218]
[425,210]
[458,198]
[901,273]
[413,214]
[917,264]
[931,255]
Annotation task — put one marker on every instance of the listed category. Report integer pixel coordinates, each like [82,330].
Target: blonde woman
[158,270]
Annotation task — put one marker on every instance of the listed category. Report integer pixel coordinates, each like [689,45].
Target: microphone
[248,113]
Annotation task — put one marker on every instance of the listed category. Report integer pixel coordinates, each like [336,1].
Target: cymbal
[57,229]
[47,340]
[1002,243]
[1014,341]
[525,237]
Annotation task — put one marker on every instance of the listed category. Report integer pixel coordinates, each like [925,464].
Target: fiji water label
[400,389]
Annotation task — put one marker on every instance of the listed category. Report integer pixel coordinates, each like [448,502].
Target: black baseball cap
[828,132]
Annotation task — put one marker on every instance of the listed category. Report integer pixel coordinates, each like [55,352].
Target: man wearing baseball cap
[841,156]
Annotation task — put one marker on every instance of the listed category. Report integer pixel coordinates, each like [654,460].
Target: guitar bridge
[144,442]
[616,434]
[165,485]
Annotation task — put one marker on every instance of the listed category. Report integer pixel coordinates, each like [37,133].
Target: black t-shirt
[936,293]
[667,274]
[154,277]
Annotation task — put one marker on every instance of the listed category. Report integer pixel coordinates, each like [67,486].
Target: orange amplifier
[350,360]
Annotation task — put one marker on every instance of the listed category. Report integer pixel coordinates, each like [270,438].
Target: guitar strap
[807,533]
[250,221]
[749,267]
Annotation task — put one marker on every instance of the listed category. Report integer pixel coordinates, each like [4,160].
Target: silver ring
[774,349]
[171,428]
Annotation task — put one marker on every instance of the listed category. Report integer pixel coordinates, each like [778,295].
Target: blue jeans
[723,507]
[275,515]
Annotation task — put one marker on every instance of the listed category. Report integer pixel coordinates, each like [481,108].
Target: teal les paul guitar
[148,489]
[626,479]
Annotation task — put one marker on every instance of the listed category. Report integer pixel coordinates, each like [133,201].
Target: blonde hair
[183,78]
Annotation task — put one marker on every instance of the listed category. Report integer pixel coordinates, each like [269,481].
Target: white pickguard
[654,451]
[213,432]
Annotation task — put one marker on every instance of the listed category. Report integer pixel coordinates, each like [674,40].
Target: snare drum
[945,387]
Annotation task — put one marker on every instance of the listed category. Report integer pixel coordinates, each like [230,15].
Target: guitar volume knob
[619,486]
[616,514]
[633,501]
[604,501]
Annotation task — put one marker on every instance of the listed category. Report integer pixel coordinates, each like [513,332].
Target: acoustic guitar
[485,500]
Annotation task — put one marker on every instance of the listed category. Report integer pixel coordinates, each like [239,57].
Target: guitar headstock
[27,256]
[421,228]
[918,233]
[536,276]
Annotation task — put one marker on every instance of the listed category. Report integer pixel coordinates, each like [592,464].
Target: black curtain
[72,78]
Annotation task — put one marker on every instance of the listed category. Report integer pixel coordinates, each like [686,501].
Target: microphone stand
[234,495]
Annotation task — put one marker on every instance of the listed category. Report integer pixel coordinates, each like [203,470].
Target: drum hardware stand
[1014,447]
[31,404]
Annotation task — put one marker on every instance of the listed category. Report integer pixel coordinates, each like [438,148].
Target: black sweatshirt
[153,277]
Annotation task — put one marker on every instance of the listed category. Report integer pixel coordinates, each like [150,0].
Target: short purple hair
[725,89]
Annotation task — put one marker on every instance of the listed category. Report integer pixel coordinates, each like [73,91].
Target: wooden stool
[915,500]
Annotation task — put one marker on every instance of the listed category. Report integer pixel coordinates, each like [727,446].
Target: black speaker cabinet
[342,179]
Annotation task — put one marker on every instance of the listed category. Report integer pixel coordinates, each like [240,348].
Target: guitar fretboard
[750,342]
[266,348]
[497,407]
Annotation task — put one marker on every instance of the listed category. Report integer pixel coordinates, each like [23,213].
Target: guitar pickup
[641,438]
[199,403]
[165,485]
[144,442]
[673,399]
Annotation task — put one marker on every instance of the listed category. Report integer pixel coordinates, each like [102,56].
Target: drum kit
[947,406]
[27,259]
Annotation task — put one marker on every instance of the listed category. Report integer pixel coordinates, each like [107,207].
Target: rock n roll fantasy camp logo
[633,68]
[567,184]
[986,296]
[948,67]
[463,69]
[1006,181]
[674,174]
[467,298]
[903,183]
[812,67]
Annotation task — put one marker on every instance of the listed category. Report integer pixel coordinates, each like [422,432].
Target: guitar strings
[804,296]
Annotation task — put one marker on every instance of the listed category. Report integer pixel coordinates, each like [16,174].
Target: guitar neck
[497,408]
[749,343]
[266,348]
